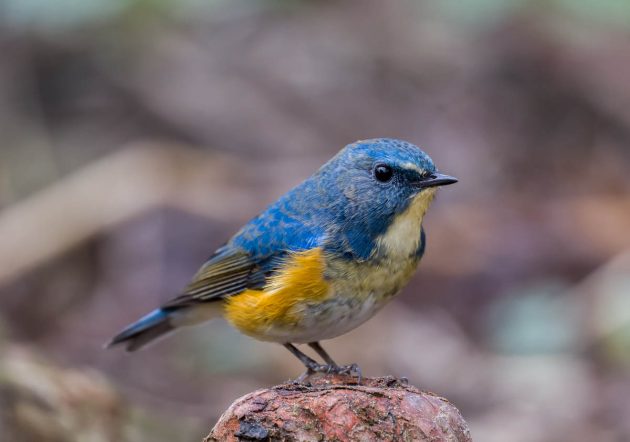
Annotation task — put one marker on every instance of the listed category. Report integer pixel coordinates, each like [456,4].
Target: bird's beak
[436,179]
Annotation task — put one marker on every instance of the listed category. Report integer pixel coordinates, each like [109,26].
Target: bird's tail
[162,321]
[145,330]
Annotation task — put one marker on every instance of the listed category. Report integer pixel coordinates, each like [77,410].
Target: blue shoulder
[293,223]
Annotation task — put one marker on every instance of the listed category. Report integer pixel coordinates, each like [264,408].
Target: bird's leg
[313,367]
[332,365]
[311,364]
[320,351]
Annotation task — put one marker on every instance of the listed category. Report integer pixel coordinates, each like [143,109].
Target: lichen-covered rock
[336,408]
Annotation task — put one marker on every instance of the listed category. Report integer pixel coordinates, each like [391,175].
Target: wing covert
[226,273]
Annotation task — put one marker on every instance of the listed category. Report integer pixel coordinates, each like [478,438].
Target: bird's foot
[352,370]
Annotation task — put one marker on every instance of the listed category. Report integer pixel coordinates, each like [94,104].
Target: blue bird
[318,262]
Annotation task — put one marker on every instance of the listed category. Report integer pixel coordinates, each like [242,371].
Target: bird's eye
[383,173]
[425,174]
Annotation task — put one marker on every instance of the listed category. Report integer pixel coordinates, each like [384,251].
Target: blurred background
[137,135]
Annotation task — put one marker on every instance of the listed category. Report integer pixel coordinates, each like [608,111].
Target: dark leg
[332,365]
[313,367]
[309,363]
[320,351]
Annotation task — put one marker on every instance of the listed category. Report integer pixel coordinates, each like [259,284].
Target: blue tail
[145,330]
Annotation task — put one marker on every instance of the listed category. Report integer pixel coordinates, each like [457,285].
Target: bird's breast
[315,295]
[376,279]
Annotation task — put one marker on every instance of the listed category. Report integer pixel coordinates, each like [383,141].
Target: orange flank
[298,283]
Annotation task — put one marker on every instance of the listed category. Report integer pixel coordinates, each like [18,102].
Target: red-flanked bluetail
[318,262]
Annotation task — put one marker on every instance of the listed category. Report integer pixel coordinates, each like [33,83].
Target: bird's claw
[352,369]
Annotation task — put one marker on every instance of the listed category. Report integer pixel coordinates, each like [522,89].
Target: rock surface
[336,408]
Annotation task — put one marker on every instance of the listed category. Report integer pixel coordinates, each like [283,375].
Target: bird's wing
[228,272]
[254,253]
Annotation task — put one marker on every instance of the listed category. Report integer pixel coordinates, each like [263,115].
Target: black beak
[436,179]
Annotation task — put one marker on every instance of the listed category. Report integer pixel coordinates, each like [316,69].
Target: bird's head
[377,181]
[384,175]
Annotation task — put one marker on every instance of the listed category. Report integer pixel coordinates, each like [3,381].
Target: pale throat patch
[402,238]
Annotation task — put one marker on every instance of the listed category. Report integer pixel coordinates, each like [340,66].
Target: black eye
[426,174]
[383,173]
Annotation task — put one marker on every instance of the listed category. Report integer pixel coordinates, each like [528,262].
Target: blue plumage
[146,329]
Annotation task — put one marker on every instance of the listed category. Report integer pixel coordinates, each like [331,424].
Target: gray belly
[358,291]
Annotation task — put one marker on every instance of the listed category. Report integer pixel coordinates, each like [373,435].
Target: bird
[317,263]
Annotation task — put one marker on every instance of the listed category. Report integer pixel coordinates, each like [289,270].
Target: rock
[336,408]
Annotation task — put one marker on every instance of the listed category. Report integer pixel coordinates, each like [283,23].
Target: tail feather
[145,330]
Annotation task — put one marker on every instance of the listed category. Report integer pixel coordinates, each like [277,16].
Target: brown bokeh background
[137,135]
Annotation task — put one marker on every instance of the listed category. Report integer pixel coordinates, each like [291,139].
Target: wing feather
[227,273]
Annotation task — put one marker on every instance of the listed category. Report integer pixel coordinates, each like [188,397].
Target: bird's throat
[402,237]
